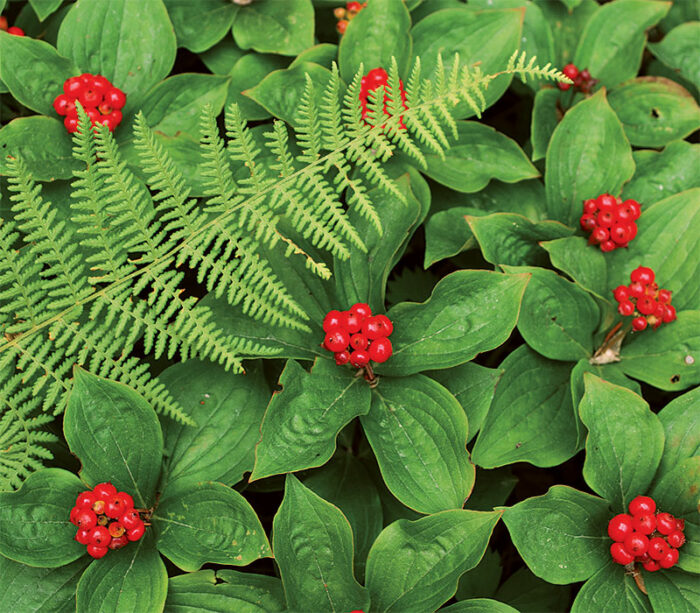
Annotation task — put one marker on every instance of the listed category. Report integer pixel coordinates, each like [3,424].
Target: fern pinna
[87,292]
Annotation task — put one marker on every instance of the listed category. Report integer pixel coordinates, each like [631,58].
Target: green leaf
[115,434]
[545,117]
[312,542]
[668,358]
[678,50]
[531,418]
[690,558]
[669,235]
[323,54]
[199,26]
[479,605]
[612,43]
[129,580]
[345,482]
[44,8]
[681,422]
[479,155]
[566,25]
[486,38]
[562,535]
[655,111]
[661,174]
[303,420]
[558,318]
[482,580]
[507,238]
[677,489]
[281,91]
[473,386]
[227,590]
[248,72]
[575,168]
[222,57]
[269,26]
[529,594]
[227,409]
[378,33]
[447,233]
[673,590]
[42,144]
[199,522]
[363,276]
[611,590]
[585,265]
[40,590]
[414,566]
[624,443]
[175,105]
[418,432]
[33,71]
[130,42]
[35,528]
[469,311]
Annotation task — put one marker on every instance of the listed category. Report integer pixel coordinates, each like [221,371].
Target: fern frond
[517,64]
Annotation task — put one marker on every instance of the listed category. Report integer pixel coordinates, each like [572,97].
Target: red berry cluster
[375,78]
[357,336]
[347,14]
[100,99]
[610,221]
[582,80]
[651,305]
[12,30]
[646,537]
[106,519]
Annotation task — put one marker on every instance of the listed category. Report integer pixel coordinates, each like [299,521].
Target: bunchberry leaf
[313,547]
[562,535]
[482,580]
[199,27]
[676,50]
[673,590]
[304,418]
[479,605]
[227,409]
[116,436]
[418,432]
[523,589]
[131,579]
[468,312]
[415,565]
[610,589]
[575,168]
[35,528]
[677,489]
[203,521]
[531,418]
[586,266]
[544,121]
[681,422]
[624,443]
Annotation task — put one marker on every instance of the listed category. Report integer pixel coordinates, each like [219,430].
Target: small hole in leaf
[554,318]
[655,113]
[675,378]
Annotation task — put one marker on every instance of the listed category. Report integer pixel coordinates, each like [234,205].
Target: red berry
[377,327]
[606,202]
[130,519]
[676,539]
[354,323]
[621,293]
[607,246]
[3,23]
[657,548]
[73,87]
[337,340]
[665,523]
[646,305]
[680,524]
[670,313]
[588,222]
[563,86]
[570,71]
[86,519]
[341,26]
[380,350]
[605,218]
[85,500]
[636,544]
[90,97]
[92,114]
[99,506]
[362,310]
[83,536]
[16,31]
[115,97]
[342,357]
[669,559]
[333,320]
[359,358]
[358,341]
[620,233]
[104,109]
[620,554]
[636,290]
[135,533]
[117,505]
[644,524]
[634,207]
[111,121]
[103,491]
[118,542]
[600,235]
[642,274]
[96,552]
[664,296]
[642,505]
[100,536]
[71,124]
[620,527]
[74,515]
[651,565]
[62,103]
[116,529]
[625,308]
[639,323]
[590,206]
[353,7]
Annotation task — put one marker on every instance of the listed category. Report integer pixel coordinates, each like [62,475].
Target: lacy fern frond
[519,64]
[131,265]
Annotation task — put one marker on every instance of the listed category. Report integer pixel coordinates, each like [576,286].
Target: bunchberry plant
[299,299]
